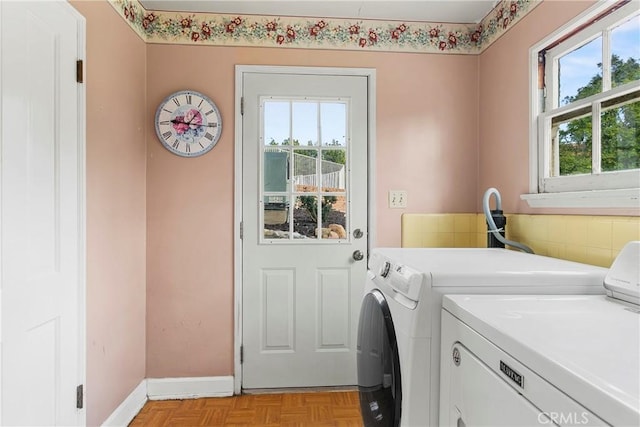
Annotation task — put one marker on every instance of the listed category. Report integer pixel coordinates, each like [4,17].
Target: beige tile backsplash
[592,240]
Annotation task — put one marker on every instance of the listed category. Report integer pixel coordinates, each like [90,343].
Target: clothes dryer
[514,360]
[398,350]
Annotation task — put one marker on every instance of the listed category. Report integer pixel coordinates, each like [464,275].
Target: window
[305,150]
[586,118]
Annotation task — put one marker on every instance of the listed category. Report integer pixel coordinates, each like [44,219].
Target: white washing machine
[545,359]
[399,329]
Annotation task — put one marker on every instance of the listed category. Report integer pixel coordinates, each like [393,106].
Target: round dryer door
[379,383]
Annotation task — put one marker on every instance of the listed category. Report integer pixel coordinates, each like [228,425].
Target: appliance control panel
[400,278]
[406,281]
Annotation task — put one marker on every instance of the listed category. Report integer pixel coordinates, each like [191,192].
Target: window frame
[600,189]
[290,194]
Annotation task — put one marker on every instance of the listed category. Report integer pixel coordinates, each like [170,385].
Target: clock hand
[174,121]
[193,124]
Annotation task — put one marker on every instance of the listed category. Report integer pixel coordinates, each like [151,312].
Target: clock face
[188,123]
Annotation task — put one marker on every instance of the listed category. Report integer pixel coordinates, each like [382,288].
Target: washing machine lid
[462,267]
[587,346]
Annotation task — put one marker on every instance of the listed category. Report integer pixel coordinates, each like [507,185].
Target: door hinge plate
[242,106]
[241,231]
[80,71]
[241,354]
[80,396]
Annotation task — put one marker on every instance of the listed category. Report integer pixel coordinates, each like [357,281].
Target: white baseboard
[130,407]
[189,388]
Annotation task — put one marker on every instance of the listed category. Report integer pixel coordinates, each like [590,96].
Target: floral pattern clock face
[188,123]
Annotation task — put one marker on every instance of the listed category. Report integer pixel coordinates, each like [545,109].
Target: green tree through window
[620,127]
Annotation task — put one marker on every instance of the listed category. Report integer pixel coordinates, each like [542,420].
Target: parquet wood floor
[334,408]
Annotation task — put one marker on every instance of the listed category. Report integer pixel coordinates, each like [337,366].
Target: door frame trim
[240,71]
[82,214]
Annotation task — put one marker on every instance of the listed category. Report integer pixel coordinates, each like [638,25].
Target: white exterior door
[41,220]
[304,245]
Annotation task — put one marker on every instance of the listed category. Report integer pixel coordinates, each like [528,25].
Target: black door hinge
[80,71]
[80,396]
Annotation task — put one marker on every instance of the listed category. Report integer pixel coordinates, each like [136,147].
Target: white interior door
[41,214]
[304,242]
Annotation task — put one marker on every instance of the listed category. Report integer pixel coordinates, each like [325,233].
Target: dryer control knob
[384,271]
[456,356]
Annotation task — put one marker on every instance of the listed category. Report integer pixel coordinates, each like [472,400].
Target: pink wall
[504,108]
[116,211]
[427,121]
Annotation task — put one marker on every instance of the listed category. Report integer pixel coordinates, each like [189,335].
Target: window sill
[622,198]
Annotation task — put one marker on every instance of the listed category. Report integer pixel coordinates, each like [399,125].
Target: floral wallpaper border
[322,33]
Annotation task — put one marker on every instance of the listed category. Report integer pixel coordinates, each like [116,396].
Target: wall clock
[188,123]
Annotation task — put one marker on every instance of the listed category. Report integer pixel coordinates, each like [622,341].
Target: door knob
[358,255]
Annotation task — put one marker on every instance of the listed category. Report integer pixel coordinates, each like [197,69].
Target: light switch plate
[397,199]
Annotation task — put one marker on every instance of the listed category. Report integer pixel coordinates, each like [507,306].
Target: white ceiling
[460,11]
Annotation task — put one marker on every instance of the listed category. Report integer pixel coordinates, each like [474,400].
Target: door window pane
[276,217]
[625,52]
[333,120]
[276,169]
[334,171]
[580,72]
[276,118]
[305,216]
[334,217]
[305,170]
[305,123]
